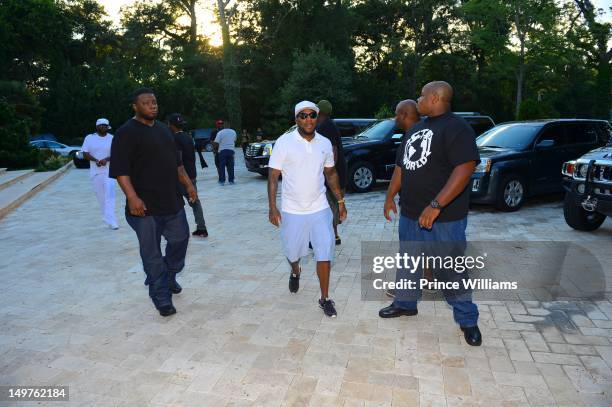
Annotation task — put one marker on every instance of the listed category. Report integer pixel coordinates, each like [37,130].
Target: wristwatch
[435,204]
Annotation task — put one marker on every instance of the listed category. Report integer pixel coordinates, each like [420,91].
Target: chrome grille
[602,173]
[254,150]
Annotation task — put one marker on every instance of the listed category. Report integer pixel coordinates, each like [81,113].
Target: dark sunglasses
[302,115]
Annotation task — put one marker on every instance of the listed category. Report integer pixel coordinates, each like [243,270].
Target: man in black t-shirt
[433,167]
[148,168]
[328,129]
[184,143]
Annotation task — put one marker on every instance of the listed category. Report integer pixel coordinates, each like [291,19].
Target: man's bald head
[435,98]
[406,114]
[442,89]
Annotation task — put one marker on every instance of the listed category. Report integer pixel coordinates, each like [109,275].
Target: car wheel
[80,163]
[208,147]
[578,218]
[361,177]
[511,193]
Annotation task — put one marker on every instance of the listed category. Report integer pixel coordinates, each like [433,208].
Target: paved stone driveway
[74,311]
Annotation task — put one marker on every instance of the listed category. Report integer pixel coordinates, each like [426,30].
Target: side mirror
[546,144]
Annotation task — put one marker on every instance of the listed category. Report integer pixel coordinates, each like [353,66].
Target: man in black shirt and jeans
[433,168]
[184,143]
[148,168]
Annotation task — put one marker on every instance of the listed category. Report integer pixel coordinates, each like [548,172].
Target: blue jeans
[450,240]
[161,269]
[226,160]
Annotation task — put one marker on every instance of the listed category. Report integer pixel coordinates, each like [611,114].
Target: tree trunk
[520,75]
[193,29]
[604,55]
[231,82]
[520,78]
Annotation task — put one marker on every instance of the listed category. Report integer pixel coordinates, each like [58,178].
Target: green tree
[316,74]
[19,115]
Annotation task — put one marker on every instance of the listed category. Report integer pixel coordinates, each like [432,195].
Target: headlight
[582,171]
[568,168]
[484,166]
[267,149]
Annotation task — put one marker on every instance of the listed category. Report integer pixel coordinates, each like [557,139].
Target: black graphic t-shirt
[430,151]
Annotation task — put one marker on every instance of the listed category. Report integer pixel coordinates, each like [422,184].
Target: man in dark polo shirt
[184,143]
[148,168]
[433,168]
[327,128]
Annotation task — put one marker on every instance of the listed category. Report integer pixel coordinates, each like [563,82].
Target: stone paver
[74,311]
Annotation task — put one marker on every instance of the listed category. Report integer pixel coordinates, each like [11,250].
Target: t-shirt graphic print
[417,149]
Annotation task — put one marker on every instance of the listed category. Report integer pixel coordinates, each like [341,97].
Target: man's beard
[302,131]
[149,116]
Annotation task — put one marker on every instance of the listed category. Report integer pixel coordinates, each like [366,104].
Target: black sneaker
[201,233]
[338,241]
[294,283]
[328,307]
[167,310]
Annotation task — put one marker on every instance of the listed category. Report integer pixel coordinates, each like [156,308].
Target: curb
[56,174]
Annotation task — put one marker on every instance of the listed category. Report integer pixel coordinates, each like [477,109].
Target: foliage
[18,113]
[63,64]
[50,161]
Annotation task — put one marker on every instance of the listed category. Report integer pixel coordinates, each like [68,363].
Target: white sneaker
[113,227]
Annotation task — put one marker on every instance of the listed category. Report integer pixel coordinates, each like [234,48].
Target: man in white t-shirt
[306,160]
[224,143]
[96,148]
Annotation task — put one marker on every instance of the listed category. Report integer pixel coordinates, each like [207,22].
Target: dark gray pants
[160,268]
[198,213]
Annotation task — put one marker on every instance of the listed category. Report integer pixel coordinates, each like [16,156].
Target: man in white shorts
[97,148]
[306,160]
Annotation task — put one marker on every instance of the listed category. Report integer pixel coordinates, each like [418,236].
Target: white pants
[104,188]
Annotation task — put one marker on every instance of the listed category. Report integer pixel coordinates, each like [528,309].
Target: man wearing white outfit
[96,148]
[306,160]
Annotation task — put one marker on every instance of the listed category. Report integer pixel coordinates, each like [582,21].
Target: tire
[208,147]
[511,193]
[579,219]
[361,177]
[80,163]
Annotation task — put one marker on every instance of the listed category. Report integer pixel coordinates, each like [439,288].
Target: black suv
[371,155]
[588,185]
[522,159]
[258,154]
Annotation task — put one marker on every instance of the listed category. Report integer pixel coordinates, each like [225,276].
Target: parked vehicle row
[369,147]
[523,159]
[258,154]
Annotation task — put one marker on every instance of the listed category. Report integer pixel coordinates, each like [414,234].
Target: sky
[207,22]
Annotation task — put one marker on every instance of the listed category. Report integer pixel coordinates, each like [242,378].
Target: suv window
[556,133]
[346,129]
[604,132]
[479,124]
[578,133]
[512,135]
